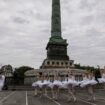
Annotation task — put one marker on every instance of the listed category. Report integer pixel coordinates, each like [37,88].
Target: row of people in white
[57,82]
[69,83]
[2,80]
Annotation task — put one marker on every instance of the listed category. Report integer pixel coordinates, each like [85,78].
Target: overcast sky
[25,31]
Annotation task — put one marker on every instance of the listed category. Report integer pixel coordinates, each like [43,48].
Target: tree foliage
[96,71]
[91,68]
[18,74]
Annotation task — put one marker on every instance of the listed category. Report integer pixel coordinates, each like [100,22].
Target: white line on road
[99,94]
[83,100]
[53,100]
[26,98]
[6,97]
[87,101]
[101,99]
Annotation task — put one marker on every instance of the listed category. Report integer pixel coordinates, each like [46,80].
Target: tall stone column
[57,46]
[56,19]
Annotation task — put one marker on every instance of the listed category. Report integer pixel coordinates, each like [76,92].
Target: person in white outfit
[2,80]
[102,79]
[45,84]
[71,85]
[65,82]
[103,76]
[85,81]
[35,85]
[56,85]
[92,82]
[40,83]
[89,82]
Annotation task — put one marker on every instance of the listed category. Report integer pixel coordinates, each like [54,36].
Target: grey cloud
[87,20]
[93,33]
[25,31]
[20,20]
[87,4]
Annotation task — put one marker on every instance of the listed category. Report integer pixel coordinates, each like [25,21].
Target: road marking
[6,97]
[87,101]
[99,94]
[101,89]
[26,98]
[101,99]
[96,95]
[83,100]
[53,100]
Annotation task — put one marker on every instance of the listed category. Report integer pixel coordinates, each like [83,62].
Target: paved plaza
[28,98]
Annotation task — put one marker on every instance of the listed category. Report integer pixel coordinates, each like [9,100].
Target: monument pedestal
[57,64]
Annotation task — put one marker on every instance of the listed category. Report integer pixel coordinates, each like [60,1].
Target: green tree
[19,74]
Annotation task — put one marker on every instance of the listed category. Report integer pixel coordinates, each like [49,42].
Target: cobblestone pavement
[28,98]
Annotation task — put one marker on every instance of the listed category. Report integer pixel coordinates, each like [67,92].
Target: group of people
[44,84]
